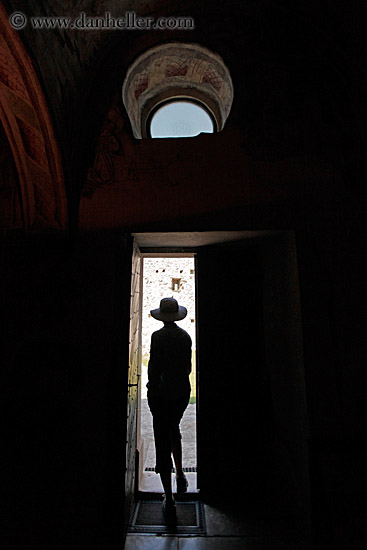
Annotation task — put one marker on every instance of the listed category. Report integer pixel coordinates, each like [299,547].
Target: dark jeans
[167,415]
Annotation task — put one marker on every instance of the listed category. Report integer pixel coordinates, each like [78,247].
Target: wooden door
[133,380]
[230,364]
[252,411]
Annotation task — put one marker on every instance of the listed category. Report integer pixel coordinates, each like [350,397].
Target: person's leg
[162,440]
[181,480]
[167,486]
[176,441]
[169,504]
[177,456]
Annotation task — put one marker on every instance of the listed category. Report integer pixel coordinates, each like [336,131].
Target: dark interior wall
[253,423]
[333,298]
[66,424]
[65,319]
[230,365]
[284,374]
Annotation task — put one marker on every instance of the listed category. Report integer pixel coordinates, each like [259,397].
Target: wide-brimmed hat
[169,310]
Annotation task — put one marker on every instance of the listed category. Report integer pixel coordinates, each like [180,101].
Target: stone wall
[158,275]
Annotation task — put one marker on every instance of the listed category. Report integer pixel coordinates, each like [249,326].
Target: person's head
[169,311]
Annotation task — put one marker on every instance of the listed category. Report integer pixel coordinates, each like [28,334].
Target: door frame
[175,243]
[159,252]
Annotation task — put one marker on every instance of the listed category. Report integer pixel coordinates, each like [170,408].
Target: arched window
[177,90]
[179,118]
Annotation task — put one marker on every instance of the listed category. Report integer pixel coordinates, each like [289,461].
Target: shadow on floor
[228,529]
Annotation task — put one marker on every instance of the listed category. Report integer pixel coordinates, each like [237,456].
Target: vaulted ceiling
[299,77]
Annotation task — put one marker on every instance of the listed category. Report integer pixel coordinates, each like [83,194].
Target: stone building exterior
[163,278]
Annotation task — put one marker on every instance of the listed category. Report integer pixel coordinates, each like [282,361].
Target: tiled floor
[229,531]
[172,543]
[225,530]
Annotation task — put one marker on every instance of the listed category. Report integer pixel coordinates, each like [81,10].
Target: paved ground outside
[188,431]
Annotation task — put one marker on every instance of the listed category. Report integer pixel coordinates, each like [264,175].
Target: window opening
[174,72]
[176,284]
[180,118]
[158,282]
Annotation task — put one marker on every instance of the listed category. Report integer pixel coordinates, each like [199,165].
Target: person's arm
[155,364]
[188,356]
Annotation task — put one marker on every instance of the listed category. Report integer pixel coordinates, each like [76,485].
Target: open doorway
[252,419]
[163,276]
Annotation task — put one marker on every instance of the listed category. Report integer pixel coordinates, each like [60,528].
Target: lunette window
[180,118]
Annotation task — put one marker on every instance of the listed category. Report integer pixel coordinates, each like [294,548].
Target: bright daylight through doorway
[167,277]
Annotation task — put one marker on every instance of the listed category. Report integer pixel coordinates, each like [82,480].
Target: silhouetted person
[168,395]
